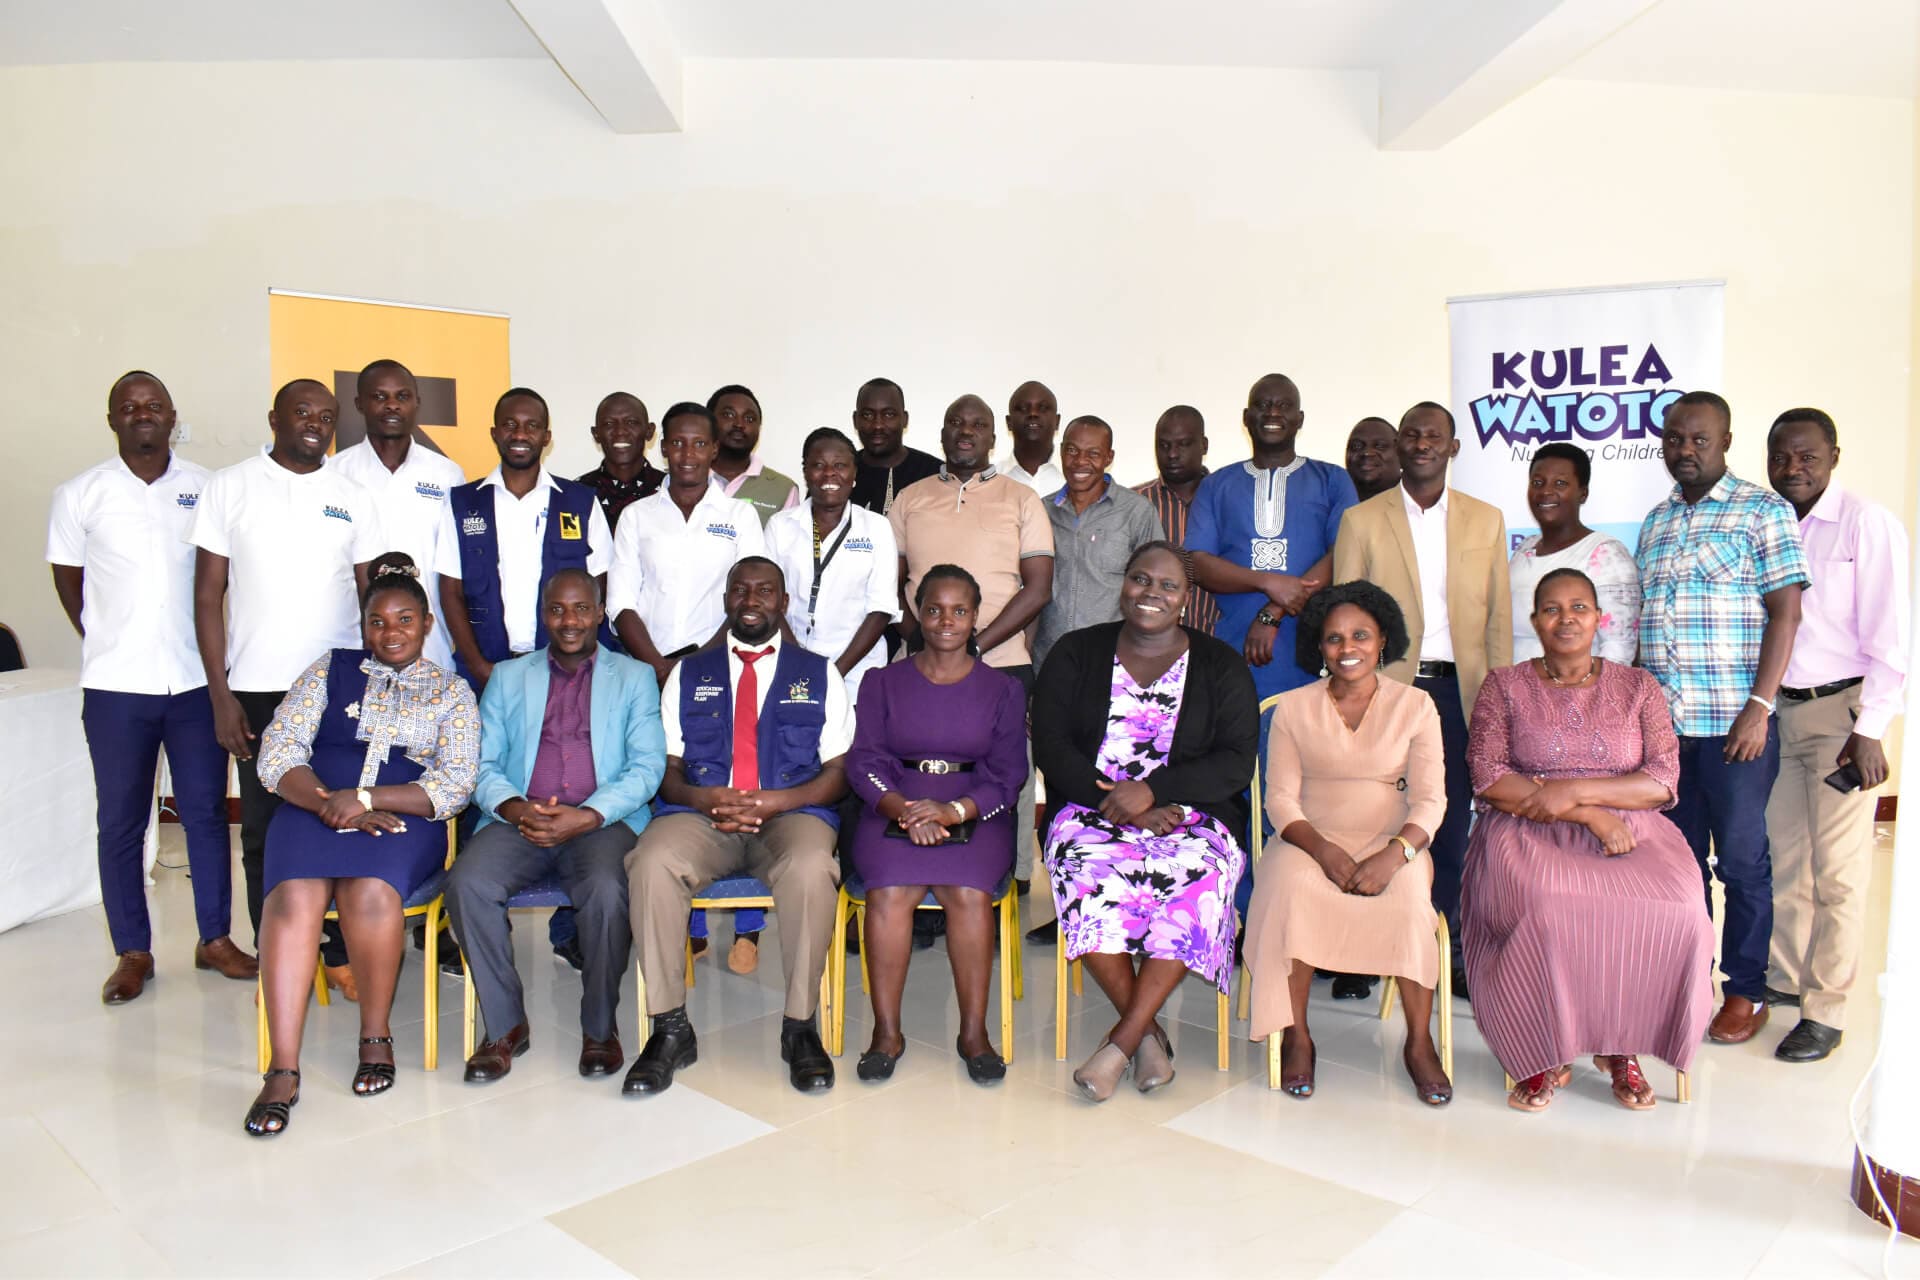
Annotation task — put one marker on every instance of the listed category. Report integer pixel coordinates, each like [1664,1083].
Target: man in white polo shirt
[409,481]
[284,545]
[505,535]
[122,568]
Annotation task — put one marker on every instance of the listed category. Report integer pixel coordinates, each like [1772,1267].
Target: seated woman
[364,740]
[1356,788]
[1146,732]
[1583,924]
[938,758]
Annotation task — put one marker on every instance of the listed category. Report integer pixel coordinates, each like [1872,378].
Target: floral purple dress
[1122,891]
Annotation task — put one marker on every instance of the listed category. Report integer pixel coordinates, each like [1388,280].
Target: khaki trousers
[680,854]
[1822,860]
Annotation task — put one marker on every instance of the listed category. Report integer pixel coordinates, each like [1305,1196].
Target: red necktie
[746,722]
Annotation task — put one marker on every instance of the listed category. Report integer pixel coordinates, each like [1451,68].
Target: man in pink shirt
[1845,683]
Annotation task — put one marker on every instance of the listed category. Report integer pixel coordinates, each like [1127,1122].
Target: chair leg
[1224,1024]
[860,932]
[837,974]
[320,983]
[264,1049]
[825,1012]
[1446,996]
[469,1010]
[1387,991]
[1009,948]
[1246,995]
[1059,1003]
[1682,1087]
[640,1000]
[1078,989]
[431,1053]
[1273,1060]
[690,976]
[1013,923]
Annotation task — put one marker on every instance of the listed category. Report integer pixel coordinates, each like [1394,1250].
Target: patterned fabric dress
[1121,891]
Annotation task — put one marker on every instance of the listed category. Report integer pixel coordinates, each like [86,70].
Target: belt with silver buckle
[1819,691]
[940,766]
[1436,670]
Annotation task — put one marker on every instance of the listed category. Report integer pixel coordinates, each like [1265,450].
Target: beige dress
[1356,787]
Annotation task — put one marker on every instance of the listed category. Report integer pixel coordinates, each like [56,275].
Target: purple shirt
[563,767]
[1853,619]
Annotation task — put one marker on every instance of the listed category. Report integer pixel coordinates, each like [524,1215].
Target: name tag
[569,527]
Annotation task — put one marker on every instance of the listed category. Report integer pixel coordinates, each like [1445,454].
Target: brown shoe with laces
[129,977]
[227,960]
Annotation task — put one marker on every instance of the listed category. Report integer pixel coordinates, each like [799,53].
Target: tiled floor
[121,1151]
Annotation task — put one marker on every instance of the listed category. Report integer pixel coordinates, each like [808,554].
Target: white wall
[1135,237]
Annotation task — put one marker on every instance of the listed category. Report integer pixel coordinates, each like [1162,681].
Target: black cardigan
[1215,742]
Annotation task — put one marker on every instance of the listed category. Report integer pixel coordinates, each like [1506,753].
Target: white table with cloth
[48,862]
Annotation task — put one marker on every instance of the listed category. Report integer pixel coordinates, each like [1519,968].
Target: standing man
[624,476]
[886,464]
[409,481]
[571,751]
[736,418]
[1033,420]
[1261,535]
[1179,454]
[1442,556]
[756,735]
[1373,458]
[1844,684]
[284,542]
[1722,571]
[123,570]
[995,528]
[1096,526]
[505,534]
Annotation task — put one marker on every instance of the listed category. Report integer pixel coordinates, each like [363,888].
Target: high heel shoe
[270,1119]
[373,1077]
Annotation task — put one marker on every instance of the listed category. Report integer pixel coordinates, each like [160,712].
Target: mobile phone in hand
[1845,779]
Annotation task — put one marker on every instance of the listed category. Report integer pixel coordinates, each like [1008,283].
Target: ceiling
[1867,47]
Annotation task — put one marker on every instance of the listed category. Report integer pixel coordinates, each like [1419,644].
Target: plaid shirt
[1703,570]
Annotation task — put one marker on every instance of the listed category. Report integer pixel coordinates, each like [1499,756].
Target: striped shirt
[1704,568]
[1202,610]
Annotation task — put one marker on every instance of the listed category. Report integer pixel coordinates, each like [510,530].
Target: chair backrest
[11,659]
[1258,817]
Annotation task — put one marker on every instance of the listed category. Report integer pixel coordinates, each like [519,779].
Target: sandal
[1630,1087]
[1537,1090]
[1300,1085]
[1435,1093]
[373,1077]
[269,1119]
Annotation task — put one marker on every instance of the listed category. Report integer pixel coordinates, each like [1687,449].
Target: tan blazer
[1376,543]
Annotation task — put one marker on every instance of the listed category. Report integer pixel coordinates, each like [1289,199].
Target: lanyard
[820,564]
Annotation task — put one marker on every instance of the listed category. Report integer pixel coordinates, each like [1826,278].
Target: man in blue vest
[504,535]
[756,731]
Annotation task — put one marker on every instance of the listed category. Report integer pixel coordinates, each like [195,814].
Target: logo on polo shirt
[569,527]
[188,500]
[727,531]
[859,544]
[474,526]
[428,489]
[336,513]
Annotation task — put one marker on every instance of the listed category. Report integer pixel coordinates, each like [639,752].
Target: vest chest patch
[474,526]
[569,526]
[709,692]
[797,692]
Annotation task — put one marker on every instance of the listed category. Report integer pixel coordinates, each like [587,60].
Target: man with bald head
[123,570]
[1096,526]
[1373,459]
[1179,454]
[622,431]
[1033,420]
[994,527]
[1262,532]
[284,542]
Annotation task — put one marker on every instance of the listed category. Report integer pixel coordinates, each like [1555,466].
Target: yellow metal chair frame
[432,909]
[828,1003]
[1012,978]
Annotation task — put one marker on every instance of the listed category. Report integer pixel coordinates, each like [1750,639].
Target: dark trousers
[1449,847]
[125,732]
[1723,807]
[499,862]
[257,807]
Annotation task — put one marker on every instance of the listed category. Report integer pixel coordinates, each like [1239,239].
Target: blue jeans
[125,732]
[1723,806]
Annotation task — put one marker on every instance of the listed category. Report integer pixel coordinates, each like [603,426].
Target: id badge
[1270,555]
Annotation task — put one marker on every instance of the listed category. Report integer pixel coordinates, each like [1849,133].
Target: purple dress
[901,715]
[1568,951]
[1121,891]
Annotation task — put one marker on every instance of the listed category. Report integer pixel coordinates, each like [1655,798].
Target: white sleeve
[883,583]
[836,733]
[446,545]
[66,536]
[369,537]
[209,531]
[599,541]
[625,580]
[670,713]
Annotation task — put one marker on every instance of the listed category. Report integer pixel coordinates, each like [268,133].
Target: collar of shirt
[558,672]
[266,459]
[1046,479]
[1827,508]
[987,474]
[1722,491]
[1417,513]
[365,451]
[542,481]
[1062,498]
[754,467]
[771,643]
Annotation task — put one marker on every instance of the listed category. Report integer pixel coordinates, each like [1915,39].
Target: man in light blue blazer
[571,752]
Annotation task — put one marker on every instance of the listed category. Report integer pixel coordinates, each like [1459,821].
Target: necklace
[1593,669]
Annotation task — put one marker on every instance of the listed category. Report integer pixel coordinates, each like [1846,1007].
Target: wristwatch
[365,797]
[1266,619]
[1406,846]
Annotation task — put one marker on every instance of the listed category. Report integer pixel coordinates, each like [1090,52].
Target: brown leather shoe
[340,978]
[227,960]
[600,1057]
[495,1058]
[1737,1022]
[129,978]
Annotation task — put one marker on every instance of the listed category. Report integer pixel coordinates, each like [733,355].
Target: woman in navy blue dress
[374,750]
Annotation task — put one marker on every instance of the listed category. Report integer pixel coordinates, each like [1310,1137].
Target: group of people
[643,681]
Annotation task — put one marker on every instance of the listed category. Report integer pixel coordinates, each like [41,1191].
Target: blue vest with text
[569,507]
[790,722]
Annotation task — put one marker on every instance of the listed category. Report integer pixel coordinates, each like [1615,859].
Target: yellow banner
[459,357]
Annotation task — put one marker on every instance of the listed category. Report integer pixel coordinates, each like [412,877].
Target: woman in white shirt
[840,560]
[1557,481]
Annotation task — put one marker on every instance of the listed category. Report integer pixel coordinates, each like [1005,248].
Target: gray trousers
[497,863]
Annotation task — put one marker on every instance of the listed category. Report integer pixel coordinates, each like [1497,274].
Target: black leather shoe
[495,1058]
[1809,1041]
[600,1057]
[664,1053]
[808,1065]
[1781,999]
[983,1068]
[1048,933]
[875,1066]
[1352,986]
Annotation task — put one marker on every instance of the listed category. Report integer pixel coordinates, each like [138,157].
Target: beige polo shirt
[987,526]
